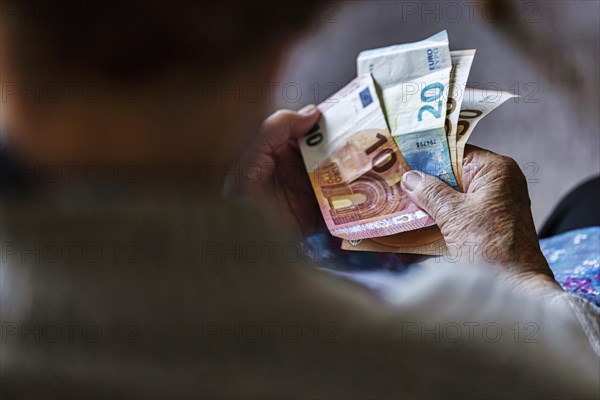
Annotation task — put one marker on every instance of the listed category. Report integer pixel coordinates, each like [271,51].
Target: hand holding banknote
[272,169]
[491,221]
[408,109]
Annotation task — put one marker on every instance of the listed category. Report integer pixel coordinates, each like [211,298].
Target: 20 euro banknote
[414,79]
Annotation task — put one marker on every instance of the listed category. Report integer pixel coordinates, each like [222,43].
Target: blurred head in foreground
[156,83]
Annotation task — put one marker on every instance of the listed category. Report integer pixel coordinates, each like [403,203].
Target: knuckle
[510,165]
[428,193]
[514,172]
[505,168]
[434,198]
[278,118]
[282,115]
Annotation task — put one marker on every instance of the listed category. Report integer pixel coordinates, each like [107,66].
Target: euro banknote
[413,80]
[461,66]
[409,108]
[428,241]
[477,103]
[355,167]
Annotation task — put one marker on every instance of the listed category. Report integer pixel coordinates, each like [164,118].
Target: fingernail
[308,110]
[411,180]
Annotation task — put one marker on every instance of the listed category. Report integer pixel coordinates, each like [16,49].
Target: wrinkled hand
[272,170]
[491,221]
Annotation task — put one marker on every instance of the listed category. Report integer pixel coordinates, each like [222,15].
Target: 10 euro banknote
[355,167]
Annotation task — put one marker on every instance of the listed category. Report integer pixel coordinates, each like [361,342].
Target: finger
[431,194]
[474,153]
[284,125]
[477,160]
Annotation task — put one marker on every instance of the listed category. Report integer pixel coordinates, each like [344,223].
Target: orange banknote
[355,167]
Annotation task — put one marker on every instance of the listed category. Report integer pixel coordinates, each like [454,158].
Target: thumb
[284,125]
[431,194]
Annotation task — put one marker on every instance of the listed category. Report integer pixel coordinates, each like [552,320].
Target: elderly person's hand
[272,169]
[491,221]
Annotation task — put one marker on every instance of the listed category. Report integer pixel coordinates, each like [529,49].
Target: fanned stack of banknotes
[409,108]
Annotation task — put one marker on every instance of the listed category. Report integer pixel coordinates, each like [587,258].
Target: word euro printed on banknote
[355,167]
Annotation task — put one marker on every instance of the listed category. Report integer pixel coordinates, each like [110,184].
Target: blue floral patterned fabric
[574,257]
